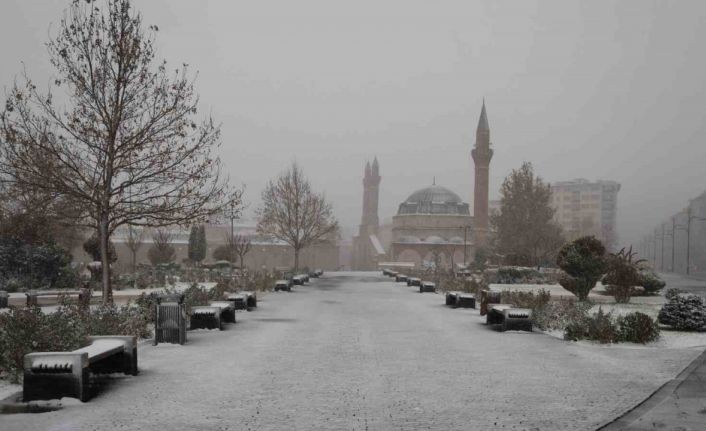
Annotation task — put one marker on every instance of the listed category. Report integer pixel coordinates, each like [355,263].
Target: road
[356,351]
[694,284]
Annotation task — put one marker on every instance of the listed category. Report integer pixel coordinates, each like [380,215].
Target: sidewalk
[678,405]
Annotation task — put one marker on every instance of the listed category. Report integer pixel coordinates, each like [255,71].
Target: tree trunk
[105,259]
[296,260]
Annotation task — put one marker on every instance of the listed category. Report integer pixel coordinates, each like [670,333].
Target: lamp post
[654,253]
[688,236]
[674,227]
[465,246]
[661,258]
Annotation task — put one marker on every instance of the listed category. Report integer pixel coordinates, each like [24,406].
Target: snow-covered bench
[252,298]
[84,295]
[414,281]
[427,286]
[212,316]
[451,298]
[283,285]
[460,300]
[49,375]
[509,317]
[300,279]
[239,301]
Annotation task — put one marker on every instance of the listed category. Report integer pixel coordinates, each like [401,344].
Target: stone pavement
[356,351]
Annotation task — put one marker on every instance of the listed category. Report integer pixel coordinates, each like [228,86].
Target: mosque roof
[434,200]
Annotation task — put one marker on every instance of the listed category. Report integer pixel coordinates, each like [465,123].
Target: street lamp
[687,228]
[465,245]
[688,231]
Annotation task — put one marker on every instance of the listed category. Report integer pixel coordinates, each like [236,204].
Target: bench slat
[100,349]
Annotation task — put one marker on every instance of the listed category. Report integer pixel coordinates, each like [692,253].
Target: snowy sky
[594,89]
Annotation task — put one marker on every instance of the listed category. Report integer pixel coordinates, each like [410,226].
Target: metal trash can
[170,319]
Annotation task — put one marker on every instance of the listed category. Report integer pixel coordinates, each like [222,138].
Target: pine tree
[202,246]
[193,245]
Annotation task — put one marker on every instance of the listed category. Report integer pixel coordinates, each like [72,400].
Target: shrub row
[26,330]
[603,327]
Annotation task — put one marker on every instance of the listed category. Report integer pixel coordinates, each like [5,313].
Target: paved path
[356,351]
[679,405]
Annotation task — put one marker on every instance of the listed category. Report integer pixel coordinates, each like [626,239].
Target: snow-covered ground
[358,351]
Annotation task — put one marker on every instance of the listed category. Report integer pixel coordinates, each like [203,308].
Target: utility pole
[688,235]
[661,265]
[674,227]
[654,253]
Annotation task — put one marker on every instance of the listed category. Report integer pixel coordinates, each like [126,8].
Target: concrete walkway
[679,405]
[357,351]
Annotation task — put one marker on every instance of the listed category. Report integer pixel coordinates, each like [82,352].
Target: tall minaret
[482,153]
[371,191]
[362,248]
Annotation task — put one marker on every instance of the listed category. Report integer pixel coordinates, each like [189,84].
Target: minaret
[482,153]
[362,253]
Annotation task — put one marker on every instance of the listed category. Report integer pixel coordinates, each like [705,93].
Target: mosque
[433,224]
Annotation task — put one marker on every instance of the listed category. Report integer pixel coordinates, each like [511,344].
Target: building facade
[585,208]
[265,253]
[432,226]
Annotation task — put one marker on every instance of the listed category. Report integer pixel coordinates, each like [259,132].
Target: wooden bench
[413,281]
[170,319]
[460,300]
[451,298]
[427,286]
[50,375]
[84,295]
[283,285]
[252,298]
[4,299]
[212,316]
[239,301]
[509,317]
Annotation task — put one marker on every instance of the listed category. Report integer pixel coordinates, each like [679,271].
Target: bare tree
[236,246]
[293,213]
[242,245]
[125,148]
[134,243]
[162,250]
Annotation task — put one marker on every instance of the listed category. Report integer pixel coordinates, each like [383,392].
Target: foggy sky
[596,90]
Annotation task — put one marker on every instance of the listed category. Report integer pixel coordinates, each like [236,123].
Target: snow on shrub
[684,312]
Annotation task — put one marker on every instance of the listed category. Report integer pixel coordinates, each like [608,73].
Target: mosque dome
[433,200]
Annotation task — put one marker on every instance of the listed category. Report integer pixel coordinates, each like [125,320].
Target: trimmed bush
[584,263]
[603,327]
[637,328]
[26,330]
[557,314]
[651,282]
[684,312]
